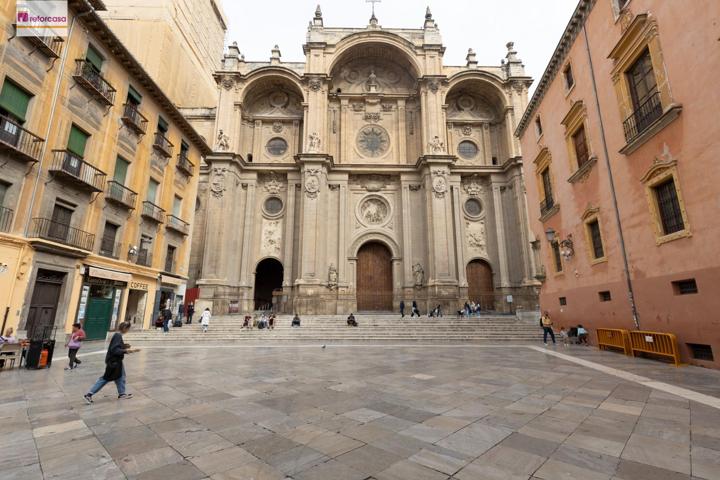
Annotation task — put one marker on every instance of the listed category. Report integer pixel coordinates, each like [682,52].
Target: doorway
[374,278]
[99,310]
[43,305]
[480,284]
[268,278]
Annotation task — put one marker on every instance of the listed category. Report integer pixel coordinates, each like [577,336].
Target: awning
[172,280]
[109,274]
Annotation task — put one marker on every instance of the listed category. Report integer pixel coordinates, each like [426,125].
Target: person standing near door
[166,317]
[190,312]
[402,308]
[181,312]
[114,368]
[546,323]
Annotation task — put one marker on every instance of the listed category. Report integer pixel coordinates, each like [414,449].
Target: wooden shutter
[94,58]
[77,141]
[162,125]
[121,168]
[15,100]
[134,96]
[152,191]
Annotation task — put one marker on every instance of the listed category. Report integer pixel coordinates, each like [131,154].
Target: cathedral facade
[367,175]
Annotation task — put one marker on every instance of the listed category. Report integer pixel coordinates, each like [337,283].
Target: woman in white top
[205,320]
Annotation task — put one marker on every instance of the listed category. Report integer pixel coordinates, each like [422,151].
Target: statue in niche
[223,142]
[314,143]
[436,145]
[372,83]
[332,277]
[418,274]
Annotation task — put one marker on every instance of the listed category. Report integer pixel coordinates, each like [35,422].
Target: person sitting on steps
[351,321]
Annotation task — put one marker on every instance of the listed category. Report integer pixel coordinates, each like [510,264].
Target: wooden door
[480,284]
[374,278]
[43,306]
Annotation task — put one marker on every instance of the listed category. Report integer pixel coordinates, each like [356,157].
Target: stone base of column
[224,299]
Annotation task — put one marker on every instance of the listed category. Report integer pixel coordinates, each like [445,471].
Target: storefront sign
[172,280]
[83,302]
[138,286]
[109,274]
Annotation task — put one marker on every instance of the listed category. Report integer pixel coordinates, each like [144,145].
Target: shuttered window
[121,168]
[77,141]
[94,58]
[133,96]
[162,125]
[177,206]
[152,191]
[14,100]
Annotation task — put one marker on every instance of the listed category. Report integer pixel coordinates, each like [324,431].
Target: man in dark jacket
[190,313]
[402,308]
[166,316]
[114,369]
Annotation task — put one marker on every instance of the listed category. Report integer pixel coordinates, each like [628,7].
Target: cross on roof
[373,4]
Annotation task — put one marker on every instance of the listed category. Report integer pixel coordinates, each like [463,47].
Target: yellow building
[98,181]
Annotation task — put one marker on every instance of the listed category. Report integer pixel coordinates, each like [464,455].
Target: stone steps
[374,328]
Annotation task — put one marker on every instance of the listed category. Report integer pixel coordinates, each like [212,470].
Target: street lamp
[550,234]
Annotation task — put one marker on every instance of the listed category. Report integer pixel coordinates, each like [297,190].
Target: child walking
[205,320]
[73,345]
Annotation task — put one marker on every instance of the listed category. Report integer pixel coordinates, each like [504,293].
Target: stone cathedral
[368,174]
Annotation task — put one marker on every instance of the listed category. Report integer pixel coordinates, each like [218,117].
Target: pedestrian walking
[114,368]
[402,308]
[546,323]
[190,312]
[205,320]
[73,345]
[166,315]
[414,310]
[181,312]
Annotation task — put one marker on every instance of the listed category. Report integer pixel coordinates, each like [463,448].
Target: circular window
[277,146]
[373,141]
[467,149]
[473,207]
[273,205]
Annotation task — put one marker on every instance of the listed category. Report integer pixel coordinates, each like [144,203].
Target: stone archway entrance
[268,277]
[374,278]
[480,284]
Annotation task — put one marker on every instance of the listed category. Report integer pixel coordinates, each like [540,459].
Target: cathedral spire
[275,58]
[318,19]
[429,21]
[513,65]
[471,58]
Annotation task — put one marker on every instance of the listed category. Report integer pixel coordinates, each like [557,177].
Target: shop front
[140,298]
[170,295]
[100,301]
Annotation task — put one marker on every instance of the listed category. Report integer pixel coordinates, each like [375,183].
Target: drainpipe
[613,194]
[56,93]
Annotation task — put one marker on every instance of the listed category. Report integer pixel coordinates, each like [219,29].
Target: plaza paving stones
[362,413]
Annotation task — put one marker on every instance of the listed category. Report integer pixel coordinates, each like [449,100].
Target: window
[14,102]
[60,224]
[94,58]
[563,301]
[557,257]
[121,168]
[162,125]
[685,287]
[273,205]
[668,206]
[170,258]
[184,148]
[569,79]
[177,206]
[144,252]
[641,80]
[701,352]
[4,187]
[604,296]
[107,244]
[467,149]
[77,141]
[152,191]
[538,126]
[595,239]
[473,207]
[580,145]
[622,3]
[547,187]
[133,97]
[277,146]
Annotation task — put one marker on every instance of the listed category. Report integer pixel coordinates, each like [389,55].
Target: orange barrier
[664,344]
[613,338]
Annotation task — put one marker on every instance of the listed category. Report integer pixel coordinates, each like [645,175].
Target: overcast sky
[485,25]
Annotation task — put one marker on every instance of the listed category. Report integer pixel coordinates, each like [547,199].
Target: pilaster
[500,232]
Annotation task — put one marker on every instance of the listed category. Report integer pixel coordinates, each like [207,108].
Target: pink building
[621,142]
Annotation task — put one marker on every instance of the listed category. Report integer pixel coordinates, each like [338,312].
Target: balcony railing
[110,248]
[51,47]
[546,205]
[120,195]
[152,212]
[6,219]
[134,120]
[144,258]
[48,229]
[649,111]
[163,145]
[21,142]
[68,166]
[91,80]
[175,223]
[184,164]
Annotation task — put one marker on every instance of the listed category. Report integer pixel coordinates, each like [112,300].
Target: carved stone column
[459,231]
[407,245]
[342,229]
[288,271]
[249,227]
[500,231]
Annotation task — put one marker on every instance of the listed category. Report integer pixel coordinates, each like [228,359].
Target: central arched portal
[374,278]
[480,284]
[268,277]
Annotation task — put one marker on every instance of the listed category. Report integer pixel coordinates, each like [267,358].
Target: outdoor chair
[9,353]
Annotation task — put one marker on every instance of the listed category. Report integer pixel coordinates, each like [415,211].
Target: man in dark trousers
[166,315]
[114,369]
[181,312]
[402,308]
[414,310]
[190,313]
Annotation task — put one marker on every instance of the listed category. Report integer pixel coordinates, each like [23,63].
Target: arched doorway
[480,284]
[374,278]
[268,277]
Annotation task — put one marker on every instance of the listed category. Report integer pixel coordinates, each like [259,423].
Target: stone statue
[314,143]
[436,145]
[223,142]
[332,277]
[372,81]
[419,274]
